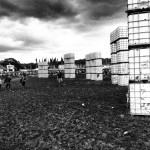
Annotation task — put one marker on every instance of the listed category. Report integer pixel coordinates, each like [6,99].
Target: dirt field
[77,115]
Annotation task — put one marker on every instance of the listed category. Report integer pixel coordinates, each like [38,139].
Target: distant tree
[30,66]
[12,61]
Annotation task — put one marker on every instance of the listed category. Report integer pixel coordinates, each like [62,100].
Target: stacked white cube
[114,66]
[69,65]
[119,56]
[94,66]
[139,99]
[139,56]
[123,61]
[43,69]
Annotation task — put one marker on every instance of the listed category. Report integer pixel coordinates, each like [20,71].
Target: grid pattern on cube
[139,64]
[114,69]
[122,44]
[138,4]
[114,58]
[119,65]
[114,79]
[94,66]
[120,32]
[43,69]
[69,65]
[123,68]
[139,28]
[139,98]
[123,80]
[122,56]
[113,48]
[139,59]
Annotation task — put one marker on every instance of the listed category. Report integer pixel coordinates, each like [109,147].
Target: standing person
[59,76]
[0,83]
[7,81]
[23,80]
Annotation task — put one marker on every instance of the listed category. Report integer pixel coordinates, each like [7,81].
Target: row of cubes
[139,98]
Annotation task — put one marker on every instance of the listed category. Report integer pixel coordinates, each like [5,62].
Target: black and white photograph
[74,74]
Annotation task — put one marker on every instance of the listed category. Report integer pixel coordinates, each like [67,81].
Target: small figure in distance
[7,81]
[0,82]
[23,80]
[59,77]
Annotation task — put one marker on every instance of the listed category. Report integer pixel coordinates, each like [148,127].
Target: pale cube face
[69,55]
[42,63]
[98,77]
[140,98]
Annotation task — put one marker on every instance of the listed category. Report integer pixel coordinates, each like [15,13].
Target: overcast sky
[31,29]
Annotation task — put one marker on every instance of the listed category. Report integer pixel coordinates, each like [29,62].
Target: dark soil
[79,114]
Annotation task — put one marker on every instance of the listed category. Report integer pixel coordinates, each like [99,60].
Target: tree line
[52,62]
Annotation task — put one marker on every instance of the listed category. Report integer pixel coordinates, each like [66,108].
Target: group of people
[7,81]
[22,81]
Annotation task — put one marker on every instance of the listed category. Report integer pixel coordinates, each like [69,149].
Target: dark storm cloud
[54,9]
[4,48]
[42,9]
[97,9]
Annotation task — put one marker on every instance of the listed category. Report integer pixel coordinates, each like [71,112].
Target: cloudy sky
[31,29]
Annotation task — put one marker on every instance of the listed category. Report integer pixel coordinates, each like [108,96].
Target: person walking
[23,80]
[0,83]
[7,82]
[59,76]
